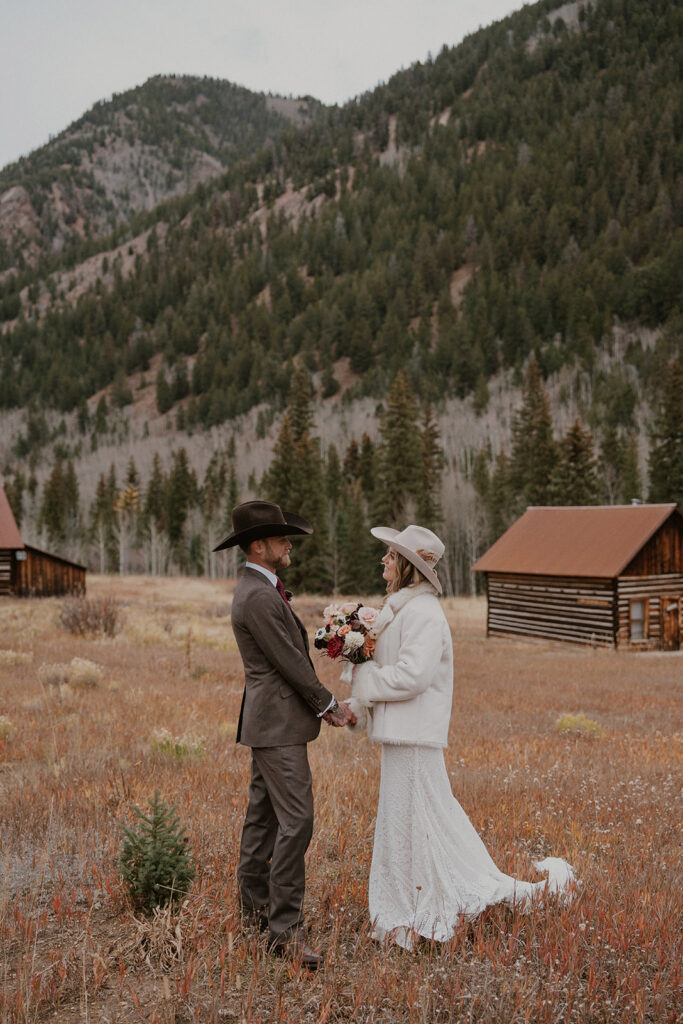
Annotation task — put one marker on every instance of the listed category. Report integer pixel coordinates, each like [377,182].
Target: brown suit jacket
[282,694]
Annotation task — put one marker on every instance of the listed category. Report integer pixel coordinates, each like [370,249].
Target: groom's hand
[343,715]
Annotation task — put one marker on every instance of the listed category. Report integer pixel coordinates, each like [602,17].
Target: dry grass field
[79,746]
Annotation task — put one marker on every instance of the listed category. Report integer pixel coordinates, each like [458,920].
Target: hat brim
[293,525]
[387,535]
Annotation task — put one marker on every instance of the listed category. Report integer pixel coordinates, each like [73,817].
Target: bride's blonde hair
[407,574]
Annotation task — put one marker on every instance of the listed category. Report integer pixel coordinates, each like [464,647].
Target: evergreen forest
[507,209]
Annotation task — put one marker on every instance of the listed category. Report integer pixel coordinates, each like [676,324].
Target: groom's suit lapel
[255,578]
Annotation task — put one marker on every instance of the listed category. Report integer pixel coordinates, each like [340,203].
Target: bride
[429,867]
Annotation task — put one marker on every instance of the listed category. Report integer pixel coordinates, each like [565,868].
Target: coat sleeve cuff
[361,685]
[361,713]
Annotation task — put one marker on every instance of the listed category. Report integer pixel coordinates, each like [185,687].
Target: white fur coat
[408,687]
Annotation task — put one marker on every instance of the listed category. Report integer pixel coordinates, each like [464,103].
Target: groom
[282,705]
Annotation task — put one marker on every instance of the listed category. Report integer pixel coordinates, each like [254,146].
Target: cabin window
[638,619]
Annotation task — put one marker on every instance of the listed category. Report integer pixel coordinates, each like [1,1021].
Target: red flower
[335,647]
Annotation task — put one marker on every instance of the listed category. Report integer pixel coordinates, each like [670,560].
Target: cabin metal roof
[9,531]
[578,540]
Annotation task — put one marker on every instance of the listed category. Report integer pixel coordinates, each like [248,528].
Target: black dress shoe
[299,953]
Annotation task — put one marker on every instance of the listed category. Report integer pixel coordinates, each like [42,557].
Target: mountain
[514,202]
[129,153]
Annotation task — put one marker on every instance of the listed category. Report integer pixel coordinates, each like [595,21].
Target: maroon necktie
[280,587]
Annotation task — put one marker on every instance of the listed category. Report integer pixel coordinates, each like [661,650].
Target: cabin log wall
[570,609]
[663,553]
[42,575]
[652,589]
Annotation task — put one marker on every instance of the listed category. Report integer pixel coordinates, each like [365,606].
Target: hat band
[430,557]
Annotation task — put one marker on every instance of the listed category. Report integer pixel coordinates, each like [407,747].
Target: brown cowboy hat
[255,519]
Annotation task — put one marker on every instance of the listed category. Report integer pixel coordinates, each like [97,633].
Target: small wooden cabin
[609,576]
[27,572]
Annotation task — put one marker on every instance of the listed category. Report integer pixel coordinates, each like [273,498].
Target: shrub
[155,863]
[15,657]
[579,725]
[90,616]
[178,747]
[84,674]
[6,728]
[56,674]
[79,673]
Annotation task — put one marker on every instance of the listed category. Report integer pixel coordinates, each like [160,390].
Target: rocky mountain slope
[129,153]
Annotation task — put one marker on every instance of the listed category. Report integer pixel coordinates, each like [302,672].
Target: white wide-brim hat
[416,543]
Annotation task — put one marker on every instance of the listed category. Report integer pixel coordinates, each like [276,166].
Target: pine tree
[296,481]
[352,465]
[429,511]
[367,463]
[183,494]
[102,522]
[534,452]
[101,413]
[156,518]
[500,497]
[127,506]
[494,492]
[232,556]
[14,490]
[359,553]
[72,507]
[53,508]
[213,490]
[164,396]
[610,465]
[631,480]
[155,860]
[574,480]
[400,469]
[333,476]
[665,464]
[334,480]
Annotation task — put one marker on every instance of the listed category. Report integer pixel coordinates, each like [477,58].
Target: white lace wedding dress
[429,866]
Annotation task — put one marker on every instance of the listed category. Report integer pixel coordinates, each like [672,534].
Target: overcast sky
[61,56]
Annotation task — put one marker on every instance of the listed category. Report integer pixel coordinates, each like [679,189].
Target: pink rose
[331,612]
[367,617]
[349,607]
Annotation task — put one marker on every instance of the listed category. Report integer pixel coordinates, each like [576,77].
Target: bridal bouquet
[348,632]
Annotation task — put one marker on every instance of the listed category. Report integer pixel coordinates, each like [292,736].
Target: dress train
[430,869]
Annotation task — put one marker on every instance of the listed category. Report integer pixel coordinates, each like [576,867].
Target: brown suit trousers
[282,700]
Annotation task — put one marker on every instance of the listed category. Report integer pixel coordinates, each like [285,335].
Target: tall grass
[71,947]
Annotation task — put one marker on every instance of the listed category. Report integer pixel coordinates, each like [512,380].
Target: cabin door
[671,623]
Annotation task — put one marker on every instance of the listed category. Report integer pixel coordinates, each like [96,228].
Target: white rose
[352,641]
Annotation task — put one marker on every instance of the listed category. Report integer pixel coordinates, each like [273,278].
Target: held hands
[341,716]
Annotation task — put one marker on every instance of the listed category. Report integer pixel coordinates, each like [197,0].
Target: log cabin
[26,571]
[609,576]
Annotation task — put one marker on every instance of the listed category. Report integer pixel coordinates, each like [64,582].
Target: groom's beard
[277,559]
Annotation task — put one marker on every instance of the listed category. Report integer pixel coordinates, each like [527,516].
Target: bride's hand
[341,717]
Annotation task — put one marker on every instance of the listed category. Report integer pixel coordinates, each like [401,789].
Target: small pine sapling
[155,863]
